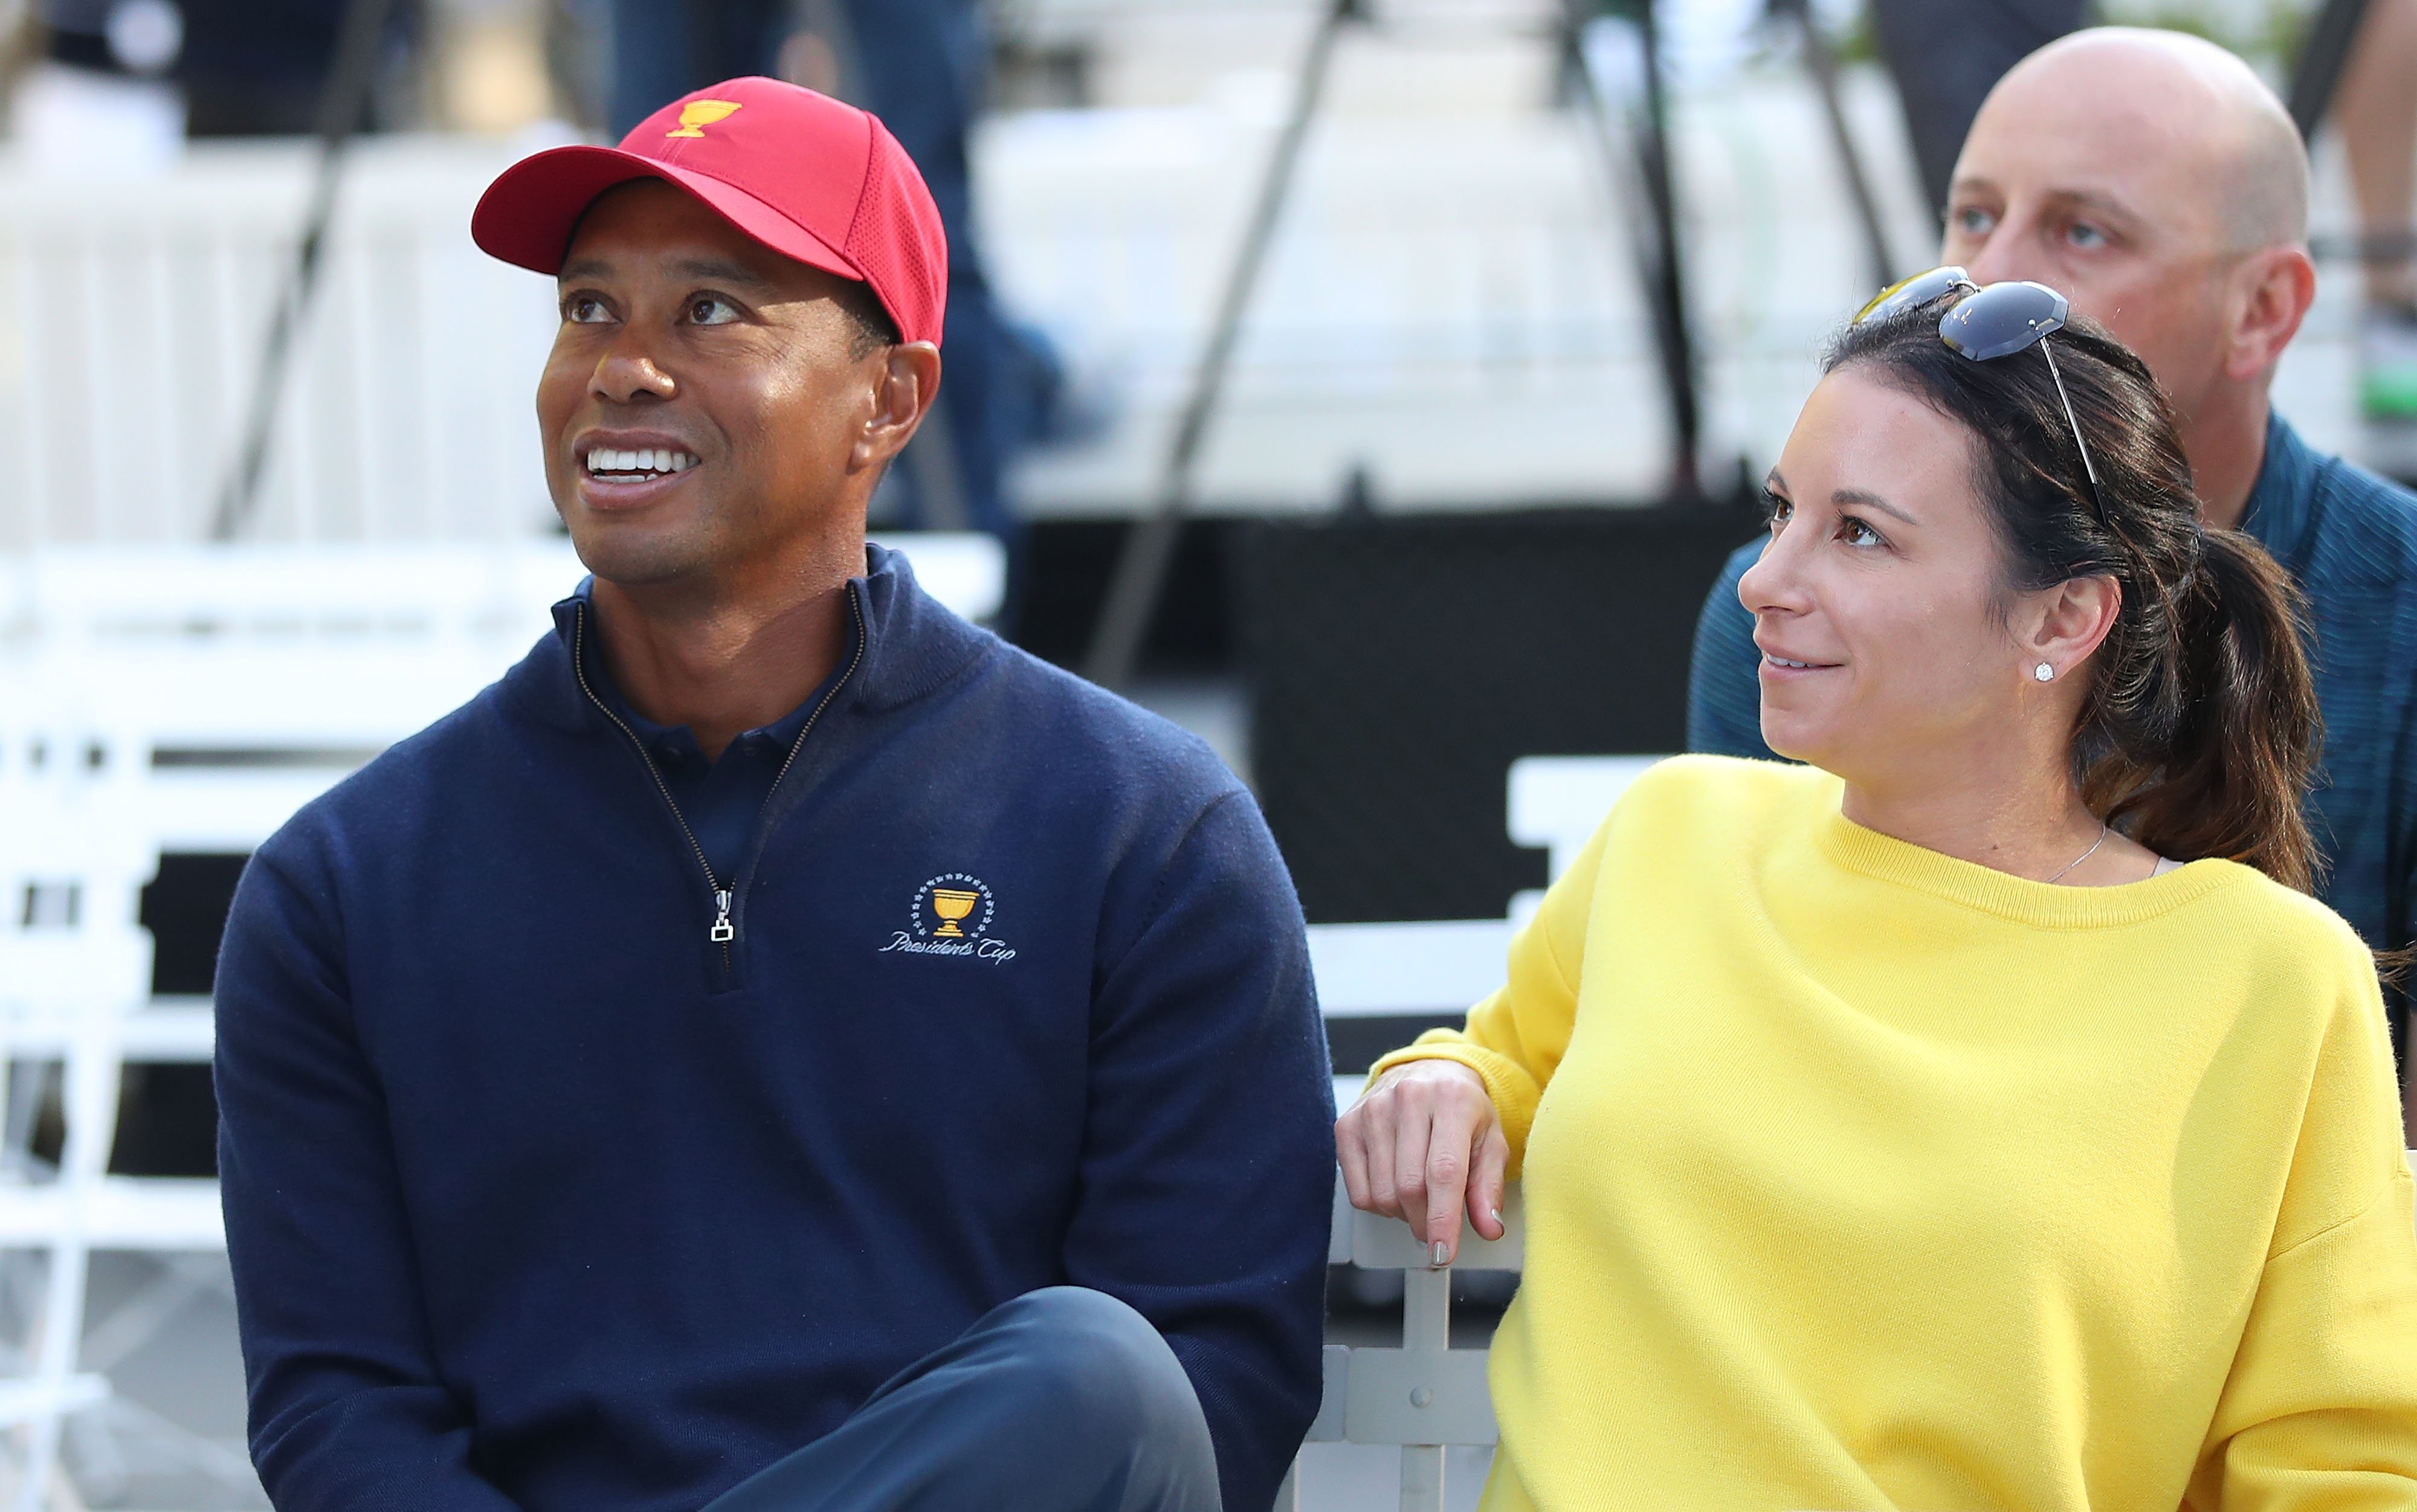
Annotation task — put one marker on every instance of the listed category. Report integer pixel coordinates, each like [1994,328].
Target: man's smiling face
[704,396]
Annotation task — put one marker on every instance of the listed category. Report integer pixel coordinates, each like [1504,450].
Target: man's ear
[906,382]
[2271,292]
[2068,623]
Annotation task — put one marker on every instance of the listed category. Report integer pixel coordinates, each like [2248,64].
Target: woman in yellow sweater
[1979,1116]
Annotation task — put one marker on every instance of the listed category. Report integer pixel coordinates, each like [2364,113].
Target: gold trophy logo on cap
[702,112]
[952,905]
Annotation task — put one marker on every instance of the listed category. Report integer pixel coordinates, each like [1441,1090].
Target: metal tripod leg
[1141,568]
[341,107]
[1823,65]
[1636,147]
[2322,58]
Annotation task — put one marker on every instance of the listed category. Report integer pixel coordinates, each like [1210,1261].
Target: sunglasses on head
[1995,322]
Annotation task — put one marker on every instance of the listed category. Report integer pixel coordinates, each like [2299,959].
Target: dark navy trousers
[1062,1400]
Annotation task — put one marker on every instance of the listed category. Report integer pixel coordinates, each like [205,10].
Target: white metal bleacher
[164,700]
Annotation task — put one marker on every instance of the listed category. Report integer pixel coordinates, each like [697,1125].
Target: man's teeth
[640,464]
[1783,661]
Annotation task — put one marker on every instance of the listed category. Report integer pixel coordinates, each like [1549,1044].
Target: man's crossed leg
[1060,1401]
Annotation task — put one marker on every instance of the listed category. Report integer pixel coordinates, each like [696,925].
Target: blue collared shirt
[2350,539]
[720,796]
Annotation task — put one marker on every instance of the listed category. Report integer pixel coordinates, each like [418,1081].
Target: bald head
[2154,180]
[2180,107]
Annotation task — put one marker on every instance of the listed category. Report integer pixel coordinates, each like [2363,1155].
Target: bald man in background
[2157,182]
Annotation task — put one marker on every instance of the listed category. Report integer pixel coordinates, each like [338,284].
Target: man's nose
[627,371]
[1999,259]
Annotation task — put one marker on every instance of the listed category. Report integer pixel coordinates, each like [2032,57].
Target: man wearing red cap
[780,1046]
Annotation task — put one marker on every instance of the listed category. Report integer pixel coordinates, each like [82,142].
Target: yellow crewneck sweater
[1860,1177]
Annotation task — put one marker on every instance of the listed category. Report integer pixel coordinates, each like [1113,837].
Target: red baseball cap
[801,173]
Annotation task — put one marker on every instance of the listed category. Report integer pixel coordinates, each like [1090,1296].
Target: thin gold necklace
[2086,854]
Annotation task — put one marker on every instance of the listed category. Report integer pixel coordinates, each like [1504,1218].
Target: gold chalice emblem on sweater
[952,905]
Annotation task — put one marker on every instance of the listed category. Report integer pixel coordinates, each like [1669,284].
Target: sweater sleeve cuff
[1507,1083]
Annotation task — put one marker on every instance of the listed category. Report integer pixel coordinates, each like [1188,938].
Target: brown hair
[2200,729]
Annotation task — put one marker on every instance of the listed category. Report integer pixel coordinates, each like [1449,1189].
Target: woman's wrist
[1437,1066]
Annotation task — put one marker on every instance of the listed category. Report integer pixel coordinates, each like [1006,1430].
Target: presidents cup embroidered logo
[951,916]
[699,113]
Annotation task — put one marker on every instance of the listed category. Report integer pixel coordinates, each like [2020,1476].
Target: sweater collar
[2017,899]
[913,645]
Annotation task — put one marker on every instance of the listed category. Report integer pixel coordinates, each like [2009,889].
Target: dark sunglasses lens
[2003,318]
[1912,292]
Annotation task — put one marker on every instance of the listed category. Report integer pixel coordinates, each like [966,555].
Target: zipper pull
[723,932]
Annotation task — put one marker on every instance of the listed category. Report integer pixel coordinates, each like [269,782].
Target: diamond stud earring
[2043,672]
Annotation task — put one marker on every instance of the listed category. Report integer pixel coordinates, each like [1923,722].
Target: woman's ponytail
[2226,776]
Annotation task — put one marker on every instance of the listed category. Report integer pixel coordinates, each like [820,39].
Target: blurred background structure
[1305,356]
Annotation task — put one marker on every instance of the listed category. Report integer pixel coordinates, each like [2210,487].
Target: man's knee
[1084,1352]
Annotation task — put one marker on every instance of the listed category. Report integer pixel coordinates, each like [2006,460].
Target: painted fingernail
[1439,1260]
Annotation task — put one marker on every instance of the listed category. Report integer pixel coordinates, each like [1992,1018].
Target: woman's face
[1878,602]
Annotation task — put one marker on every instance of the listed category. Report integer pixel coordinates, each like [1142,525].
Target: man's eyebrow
[2094,198]
[1862,498]
[720,270]
[2099,204]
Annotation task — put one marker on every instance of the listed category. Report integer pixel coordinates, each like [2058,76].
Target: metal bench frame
[1425,1396]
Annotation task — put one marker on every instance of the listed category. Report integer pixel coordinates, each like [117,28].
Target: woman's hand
[1421,1143]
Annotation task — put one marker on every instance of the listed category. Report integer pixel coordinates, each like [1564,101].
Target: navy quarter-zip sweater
[538,1196]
